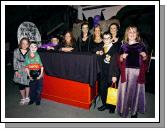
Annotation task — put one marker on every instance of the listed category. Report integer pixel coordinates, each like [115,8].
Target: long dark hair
[85,23]
[72,38]
[117,29]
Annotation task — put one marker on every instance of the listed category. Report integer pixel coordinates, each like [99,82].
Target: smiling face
[85,28]
[132,34]
[97,31]
[54,40]
[67,37]
[107,39]
[33,47]
[24,44]
[113,29]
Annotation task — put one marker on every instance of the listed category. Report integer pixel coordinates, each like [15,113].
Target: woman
[97,41]
[83,42]
[133,65]
[20,75]
[116,40]
[68,43]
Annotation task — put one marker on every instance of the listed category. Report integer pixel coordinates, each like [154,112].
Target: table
[70,78]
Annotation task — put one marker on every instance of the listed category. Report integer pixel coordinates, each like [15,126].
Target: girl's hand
[50,48]
[30,78]
[143,54]
[124,55]
[17,74]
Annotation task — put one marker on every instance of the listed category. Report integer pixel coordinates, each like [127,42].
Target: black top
[109,66]
[133,51]
[96,46]
[84,46]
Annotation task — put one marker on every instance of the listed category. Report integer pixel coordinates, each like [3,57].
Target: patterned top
[18,65]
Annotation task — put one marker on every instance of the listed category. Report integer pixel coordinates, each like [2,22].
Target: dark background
[47,17]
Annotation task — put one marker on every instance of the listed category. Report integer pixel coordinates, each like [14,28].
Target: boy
[109,70]
[34,69]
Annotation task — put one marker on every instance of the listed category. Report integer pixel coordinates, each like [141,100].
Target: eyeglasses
[107,38]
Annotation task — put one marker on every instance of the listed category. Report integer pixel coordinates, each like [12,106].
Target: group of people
[122,61]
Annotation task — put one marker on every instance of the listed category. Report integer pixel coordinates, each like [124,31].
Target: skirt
[131,95]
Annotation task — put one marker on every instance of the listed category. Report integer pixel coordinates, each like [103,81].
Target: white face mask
[33,48]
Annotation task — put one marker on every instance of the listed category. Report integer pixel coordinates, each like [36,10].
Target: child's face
[24,44]
[68,37]
[55,40]
[107,39]
[33,47]
[132,34]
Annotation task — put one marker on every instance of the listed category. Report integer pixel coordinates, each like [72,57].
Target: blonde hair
[125,39]
[97,26]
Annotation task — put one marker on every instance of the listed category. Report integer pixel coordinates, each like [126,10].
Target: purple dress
[131,94]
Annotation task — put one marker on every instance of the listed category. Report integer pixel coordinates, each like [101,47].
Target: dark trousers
[35,90]
[103,88]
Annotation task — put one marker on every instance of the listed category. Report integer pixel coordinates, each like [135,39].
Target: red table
[68,92]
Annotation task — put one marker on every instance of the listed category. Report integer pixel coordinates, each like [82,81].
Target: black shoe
[102,108]
[38,103]
[134,116]
[112,111]
[31,102]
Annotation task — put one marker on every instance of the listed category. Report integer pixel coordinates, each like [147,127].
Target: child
[53,45]
[131,88]
[109,70]
[34,70]
[20,76]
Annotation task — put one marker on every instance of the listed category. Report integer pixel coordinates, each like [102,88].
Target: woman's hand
[67,49]
[114,79]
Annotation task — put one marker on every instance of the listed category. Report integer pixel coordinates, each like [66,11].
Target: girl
[131,88]
[68,43]
[20,76]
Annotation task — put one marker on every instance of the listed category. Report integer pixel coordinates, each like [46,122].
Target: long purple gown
[131,94]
